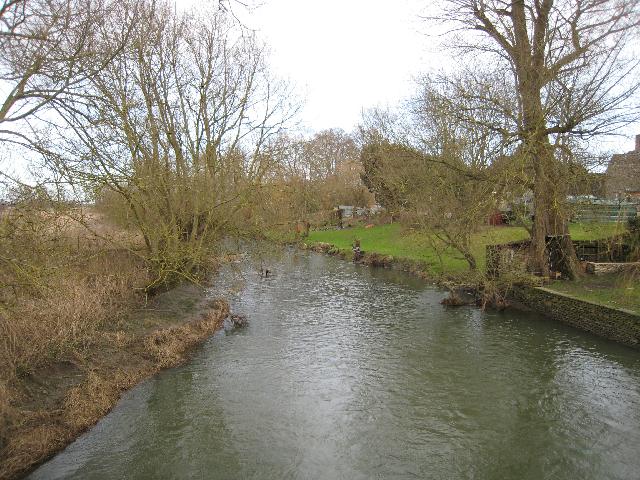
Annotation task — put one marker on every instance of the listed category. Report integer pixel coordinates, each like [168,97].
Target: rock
[239,321]
[453,301]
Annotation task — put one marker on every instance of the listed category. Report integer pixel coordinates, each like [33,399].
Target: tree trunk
[550,222]
[551,248]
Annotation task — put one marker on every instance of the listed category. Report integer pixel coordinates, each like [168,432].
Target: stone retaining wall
[606,268]
[620,325]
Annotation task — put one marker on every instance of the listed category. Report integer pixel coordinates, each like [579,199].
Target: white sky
[345,55]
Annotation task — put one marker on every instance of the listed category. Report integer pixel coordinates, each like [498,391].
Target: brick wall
[619,325]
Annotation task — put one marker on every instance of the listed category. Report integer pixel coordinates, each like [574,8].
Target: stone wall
[503,257]
[607,268]
[620,325]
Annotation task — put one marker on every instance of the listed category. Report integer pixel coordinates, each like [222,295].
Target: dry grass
[93,398]
[61,319]
[73,333]
[6,413]
[60,288]
[31,444]
[35,435]
[169,345]
[59,283]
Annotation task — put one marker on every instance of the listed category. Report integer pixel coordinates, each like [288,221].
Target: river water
[347,372]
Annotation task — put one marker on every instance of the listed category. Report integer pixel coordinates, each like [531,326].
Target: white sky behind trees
[351,55]
[347,56]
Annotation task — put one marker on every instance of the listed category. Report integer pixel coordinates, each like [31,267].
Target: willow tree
[569,76]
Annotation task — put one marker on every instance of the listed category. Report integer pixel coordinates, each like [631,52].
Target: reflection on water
[349,372]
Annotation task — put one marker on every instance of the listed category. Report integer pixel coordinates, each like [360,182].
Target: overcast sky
[348,55]
[345,55]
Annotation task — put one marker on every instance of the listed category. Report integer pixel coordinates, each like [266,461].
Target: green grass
[594,231]
[418,246]
[408,244]
[617,291]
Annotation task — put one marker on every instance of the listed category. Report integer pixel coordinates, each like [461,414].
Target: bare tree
[175,126]
[445,174]
[326,150]
[467,182]
[49,48]
[309,177]
[564,63]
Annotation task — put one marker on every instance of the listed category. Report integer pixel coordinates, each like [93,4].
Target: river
[348,372]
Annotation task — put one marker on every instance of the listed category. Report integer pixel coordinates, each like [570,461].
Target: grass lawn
[595,231]
[400,242]
[618,291]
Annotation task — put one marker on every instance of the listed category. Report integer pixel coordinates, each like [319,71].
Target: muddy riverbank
[58,403]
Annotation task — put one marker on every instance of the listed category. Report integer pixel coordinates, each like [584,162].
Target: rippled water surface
[347,372]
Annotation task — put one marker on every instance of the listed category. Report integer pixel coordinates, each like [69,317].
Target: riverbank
[618,291]
[605,319]
[425,251]
[374,259]
[53,405]
[617,324]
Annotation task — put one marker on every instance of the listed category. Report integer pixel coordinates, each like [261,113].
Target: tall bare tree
[566,67]
[175,127]
[48,49]
[444,173]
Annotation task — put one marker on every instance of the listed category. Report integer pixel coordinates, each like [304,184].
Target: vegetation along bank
[49,406]
[607,305]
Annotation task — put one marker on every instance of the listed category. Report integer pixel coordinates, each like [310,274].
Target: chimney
[637,143]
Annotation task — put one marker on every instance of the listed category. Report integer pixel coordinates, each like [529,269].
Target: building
[623,175]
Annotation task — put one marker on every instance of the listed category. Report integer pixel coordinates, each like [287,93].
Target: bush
[58,285]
